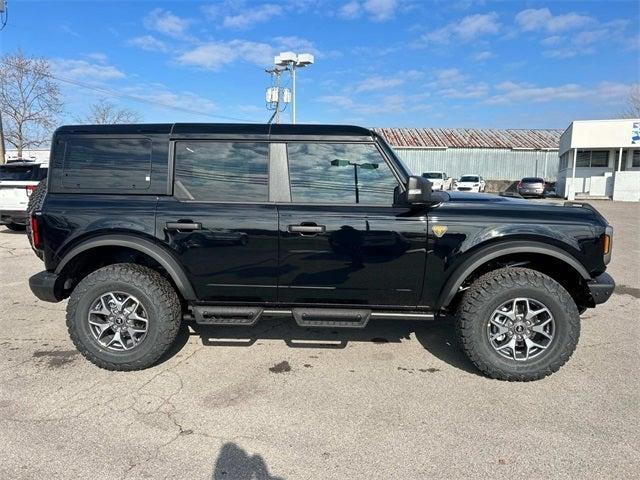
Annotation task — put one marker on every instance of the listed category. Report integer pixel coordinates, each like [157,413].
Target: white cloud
[542,19]
[525,93]
[251,16]
[376,10]
[452,83]
[350,10]
[149,43]
[214,55]
[466,29]
[380,10]
[392,103]
[483,55]
[185,99]
[85,70]
[167,23]
[378,83]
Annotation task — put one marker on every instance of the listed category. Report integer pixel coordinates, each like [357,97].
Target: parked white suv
[470,183]
[439,180]
[18,180]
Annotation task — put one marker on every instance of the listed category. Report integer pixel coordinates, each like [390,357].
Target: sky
[383,63]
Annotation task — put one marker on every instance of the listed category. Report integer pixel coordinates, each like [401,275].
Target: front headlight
[607,244]
[476,184]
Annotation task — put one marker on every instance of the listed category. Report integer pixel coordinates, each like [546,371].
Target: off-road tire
[158,298]
[35,202]
[493,289]
[16,227]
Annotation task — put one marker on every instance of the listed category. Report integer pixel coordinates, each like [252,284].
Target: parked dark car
[532,187]
[142,227]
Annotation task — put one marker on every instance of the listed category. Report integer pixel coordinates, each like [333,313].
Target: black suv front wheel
[123,316]
[518,324]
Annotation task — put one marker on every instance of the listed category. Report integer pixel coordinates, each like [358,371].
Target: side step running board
[226,315]
[331,317]
[304,317]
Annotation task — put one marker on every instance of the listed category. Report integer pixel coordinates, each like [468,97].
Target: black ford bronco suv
[144,226]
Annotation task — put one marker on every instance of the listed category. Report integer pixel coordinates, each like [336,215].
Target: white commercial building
[600,159]
[37,155]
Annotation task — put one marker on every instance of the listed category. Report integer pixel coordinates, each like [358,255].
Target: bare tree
[105,112]
[29,100]
[632,109]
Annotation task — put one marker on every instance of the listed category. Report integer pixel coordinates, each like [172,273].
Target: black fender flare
[491,252]
[159,254]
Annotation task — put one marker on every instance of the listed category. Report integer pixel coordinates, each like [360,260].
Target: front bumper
[13,216]
[44,285]
[601,288]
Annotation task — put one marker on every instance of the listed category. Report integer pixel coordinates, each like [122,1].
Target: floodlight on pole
[292,61]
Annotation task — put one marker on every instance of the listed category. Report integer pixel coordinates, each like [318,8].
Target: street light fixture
[345,163]
[293,61]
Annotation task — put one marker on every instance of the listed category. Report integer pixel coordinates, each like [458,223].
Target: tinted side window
[339,173]
[107,163]
[222,171]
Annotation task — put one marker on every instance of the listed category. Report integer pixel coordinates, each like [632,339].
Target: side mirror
[418,191]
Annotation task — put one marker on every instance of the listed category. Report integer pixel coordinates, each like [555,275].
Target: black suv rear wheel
[123,317]
[518,324]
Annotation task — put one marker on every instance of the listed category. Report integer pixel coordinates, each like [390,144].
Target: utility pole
[3,23]
[276,97]
[2,150]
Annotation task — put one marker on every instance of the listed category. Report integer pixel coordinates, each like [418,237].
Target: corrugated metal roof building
[494,154]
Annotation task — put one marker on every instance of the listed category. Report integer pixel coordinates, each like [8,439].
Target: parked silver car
[531,187]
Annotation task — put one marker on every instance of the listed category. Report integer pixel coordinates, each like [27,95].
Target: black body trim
[164,258]
[44,286]
[601,288]
[483,255]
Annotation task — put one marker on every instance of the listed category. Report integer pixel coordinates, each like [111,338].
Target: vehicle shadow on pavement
[437,337]
[233,462]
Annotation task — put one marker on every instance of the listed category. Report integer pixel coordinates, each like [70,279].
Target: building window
[564,161]
[635,162]
[339,173]
[213,171]
[592,158]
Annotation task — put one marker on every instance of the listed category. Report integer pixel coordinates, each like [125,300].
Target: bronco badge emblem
[439,230]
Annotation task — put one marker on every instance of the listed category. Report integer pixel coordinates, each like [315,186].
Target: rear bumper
[530,191]
[13,216]
[44,286]
[601,288]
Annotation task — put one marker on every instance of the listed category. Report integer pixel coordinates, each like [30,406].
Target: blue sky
[404,63]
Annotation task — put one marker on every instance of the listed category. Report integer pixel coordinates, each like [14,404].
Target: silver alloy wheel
[118,321]
[521,329]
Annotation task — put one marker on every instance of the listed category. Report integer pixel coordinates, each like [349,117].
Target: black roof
[220,128]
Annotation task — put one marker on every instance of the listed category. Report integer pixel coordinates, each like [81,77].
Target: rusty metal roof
[471,138]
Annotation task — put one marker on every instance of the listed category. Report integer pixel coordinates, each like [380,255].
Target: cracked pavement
[397,400]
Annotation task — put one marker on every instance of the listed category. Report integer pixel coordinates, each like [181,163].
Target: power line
[136,98]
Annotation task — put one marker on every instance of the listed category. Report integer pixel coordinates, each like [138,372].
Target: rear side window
[24,173]
[107,163]
[213,171]
[344,173]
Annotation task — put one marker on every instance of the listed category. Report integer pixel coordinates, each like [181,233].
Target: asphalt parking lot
[280,402]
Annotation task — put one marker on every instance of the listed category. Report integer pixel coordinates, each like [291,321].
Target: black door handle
[307,229]
[183,226]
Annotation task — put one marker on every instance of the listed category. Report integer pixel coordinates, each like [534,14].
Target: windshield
[22,173]
[432,175]
[469,178]
[532,180]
